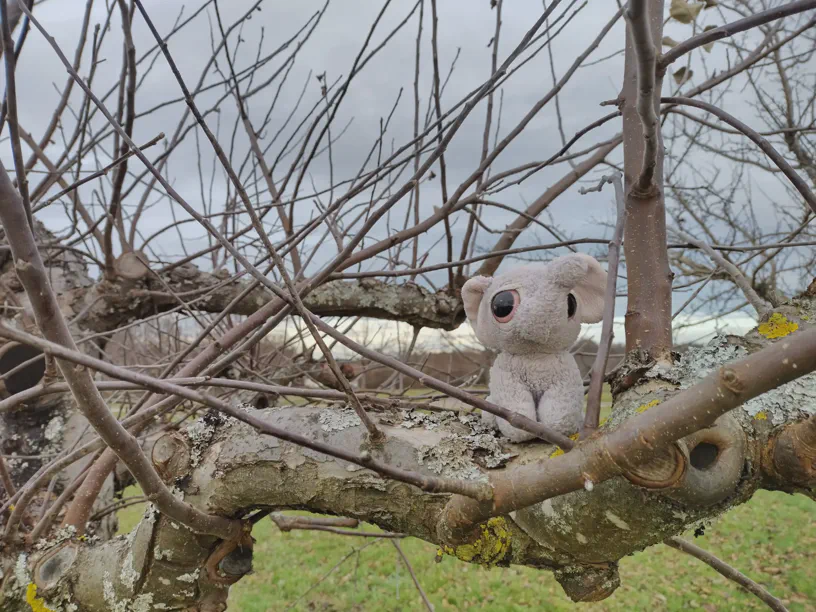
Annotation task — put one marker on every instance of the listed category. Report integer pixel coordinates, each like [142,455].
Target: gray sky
[465,25]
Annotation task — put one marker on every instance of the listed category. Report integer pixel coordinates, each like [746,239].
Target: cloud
[465,28]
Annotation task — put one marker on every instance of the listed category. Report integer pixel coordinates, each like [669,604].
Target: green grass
[772,539]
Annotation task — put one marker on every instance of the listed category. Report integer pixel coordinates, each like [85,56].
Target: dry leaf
[684,12]
[683,75]
[710,45]
[668,41]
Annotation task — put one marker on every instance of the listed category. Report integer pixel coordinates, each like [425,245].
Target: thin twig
[593,408]
[761,306]
[287,523]
[729,572]
[104,171]
[5,478]
[729,29]
[410,569]
[767,148]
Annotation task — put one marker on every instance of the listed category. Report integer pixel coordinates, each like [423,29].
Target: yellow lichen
[560,451]
[761,416]
[37,603]
[645,407]
[491,547]
[777,327]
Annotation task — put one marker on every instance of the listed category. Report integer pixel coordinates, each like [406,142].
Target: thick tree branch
[634,442]
[363,459]
[644,49]
[109,305]
[34,278]
[648,313]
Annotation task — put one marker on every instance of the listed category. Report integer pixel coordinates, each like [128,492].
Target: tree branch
[800,185]
[761,306]
[593,407]
[540,204]
[34,278]
[363,459]
[635,441]
[644,48]
[729,29]
[729,572]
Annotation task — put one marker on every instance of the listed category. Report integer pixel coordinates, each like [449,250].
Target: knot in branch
[731,380]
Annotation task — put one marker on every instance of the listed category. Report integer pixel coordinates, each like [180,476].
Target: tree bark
[648,316]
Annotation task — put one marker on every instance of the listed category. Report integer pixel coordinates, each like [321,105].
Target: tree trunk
[648,316]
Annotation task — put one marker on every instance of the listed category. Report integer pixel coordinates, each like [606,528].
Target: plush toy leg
[517,402]
[560,408]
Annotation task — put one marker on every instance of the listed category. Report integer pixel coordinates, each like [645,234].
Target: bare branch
[729,572]
[34,277]
[410,569]
[593,407]
[799,183]
[762,307]
[542,202]
[729,29]
[638,17]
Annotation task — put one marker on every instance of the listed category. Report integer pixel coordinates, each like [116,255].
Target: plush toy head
[536,308]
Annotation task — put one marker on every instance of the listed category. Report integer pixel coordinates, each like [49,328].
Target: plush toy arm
[508,392]
[561,404]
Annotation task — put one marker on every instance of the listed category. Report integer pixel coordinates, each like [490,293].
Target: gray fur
[534,373]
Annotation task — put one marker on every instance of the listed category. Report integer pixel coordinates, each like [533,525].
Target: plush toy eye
[572,305]
[504,305]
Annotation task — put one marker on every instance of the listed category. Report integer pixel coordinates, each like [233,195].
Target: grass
[771,539]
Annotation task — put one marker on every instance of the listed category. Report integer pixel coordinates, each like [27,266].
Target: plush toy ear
[585,277]
[472,293]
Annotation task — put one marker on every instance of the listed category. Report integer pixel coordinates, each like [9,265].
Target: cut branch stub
[715,462]
[52,566]
[587,583]
[131,265]
[171,457]
[26,370]
[793,454]
[666,469]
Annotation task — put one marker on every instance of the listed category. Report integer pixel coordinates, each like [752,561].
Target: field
[772,539]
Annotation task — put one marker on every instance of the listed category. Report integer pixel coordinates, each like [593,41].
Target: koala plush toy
[532,314]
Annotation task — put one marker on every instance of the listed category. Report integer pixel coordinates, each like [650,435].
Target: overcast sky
[464,25]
